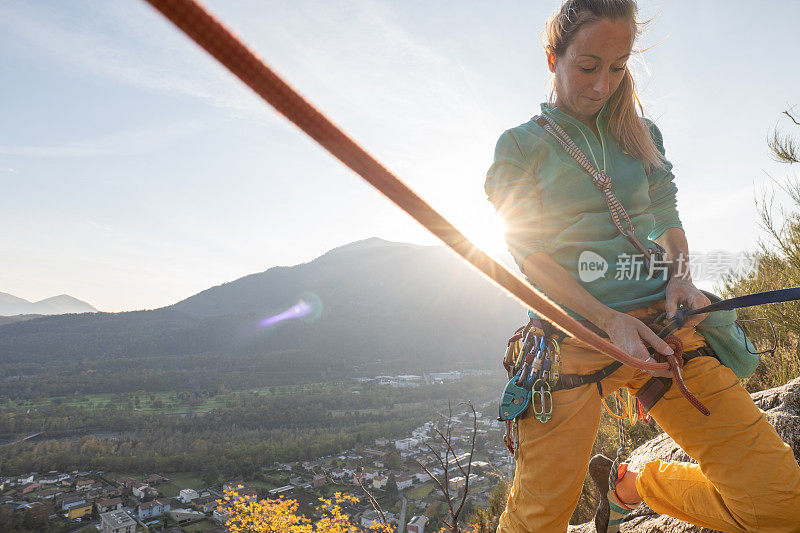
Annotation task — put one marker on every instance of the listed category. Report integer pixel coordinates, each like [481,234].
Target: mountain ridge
[408,306]
[11,305]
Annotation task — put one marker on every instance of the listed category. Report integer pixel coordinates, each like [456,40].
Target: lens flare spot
[308,306]
[298,310]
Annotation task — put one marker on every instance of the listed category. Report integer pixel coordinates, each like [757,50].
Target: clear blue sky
[136,171]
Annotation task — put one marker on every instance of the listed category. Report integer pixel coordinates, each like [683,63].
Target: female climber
[561,232]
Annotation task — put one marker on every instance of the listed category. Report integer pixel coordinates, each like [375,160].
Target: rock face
[782,408]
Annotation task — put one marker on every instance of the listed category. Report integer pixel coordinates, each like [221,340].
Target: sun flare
[487,233]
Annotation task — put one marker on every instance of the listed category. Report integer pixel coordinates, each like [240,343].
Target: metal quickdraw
[541,390]
[520,351]
[555,372]
[533,363]
[542,387]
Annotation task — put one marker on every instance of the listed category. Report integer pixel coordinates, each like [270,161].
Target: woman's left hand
[682,291]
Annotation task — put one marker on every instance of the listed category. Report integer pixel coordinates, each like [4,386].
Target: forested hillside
[377,307]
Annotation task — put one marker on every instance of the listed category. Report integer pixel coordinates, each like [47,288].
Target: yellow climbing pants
[747,478]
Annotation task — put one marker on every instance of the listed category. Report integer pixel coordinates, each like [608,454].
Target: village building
[84,485]
[377,454]
[126,484]
[49,494]
[71,501]
[405,444]
[461,459]
[199,504]
[422,477]
[372,517]
[29,487]
[458,482]
[155,479]
[117,522]
[187,495]
[79,511]
[153,508]
[219,516]
[104,506]
[281,491]
[417,524]
[404,481]
[143,490]
[184,516]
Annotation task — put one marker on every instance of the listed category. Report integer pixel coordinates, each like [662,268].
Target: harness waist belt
[571,381]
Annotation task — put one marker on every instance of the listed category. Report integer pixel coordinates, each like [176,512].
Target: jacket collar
[561,116]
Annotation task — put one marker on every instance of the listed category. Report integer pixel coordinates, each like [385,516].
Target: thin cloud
[129,142]
[366,62]
[133,46]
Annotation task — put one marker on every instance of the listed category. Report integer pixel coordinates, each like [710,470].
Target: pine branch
[784,148]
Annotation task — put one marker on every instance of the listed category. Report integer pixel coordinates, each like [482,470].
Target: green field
[203,525]
[262,485]
[179,481]
[170,404]
[112,476]
[419,492]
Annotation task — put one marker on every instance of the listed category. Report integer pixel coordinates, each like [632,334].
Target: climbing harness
[533,364]
[530,384]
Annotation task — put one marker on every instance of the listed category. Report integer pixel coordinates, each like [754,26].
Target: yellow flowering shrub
[249,515]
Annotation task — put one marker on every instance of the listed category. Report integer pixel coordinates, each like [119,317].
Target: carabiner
[555,371]
[547,364]
[546,412]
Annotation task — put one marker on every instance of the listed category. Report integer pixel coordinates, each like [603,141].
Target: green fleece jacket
[549,204]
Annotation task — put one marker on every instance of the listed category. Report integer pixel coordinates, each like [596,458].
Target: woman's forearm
[561,287]
[674,242]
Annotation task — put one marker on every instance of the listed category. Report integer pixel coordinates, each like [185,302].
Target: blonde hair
[624,123]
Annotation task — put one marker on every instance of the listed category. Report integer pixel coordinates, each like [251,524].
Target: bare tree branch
[469,464]
[790,113]
[434,478]
[455,455]
[444,486]
[375,505]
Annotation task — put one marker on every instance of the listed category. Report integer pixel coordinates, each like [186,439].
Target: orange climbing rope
[218,41]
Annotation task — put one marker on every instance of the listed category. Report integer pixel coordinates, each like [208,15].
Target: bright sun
[487,232]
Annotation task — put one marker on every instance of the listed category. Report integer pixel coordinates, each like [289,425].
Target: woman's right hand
[631,336]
